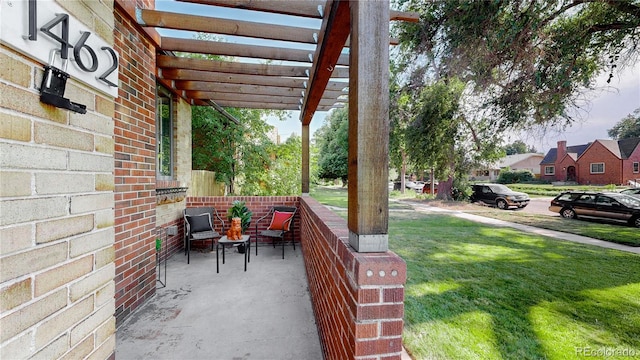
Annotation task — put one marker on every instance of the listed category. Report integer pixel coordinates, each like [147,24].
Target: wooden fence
[203,183]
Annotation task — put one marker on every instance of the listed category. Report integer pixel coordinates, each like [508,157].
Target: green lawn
[477,292]
[618,233]
[480,292]
[597,229]
[337,196]
[553,190]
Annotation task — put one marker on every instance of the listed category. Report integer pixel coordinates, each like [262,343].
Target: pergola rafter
[308,70]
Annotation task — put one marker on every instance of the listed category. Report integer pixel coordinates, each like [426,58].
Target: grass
[553,190]
[337,197]
[477,292]
[480,292]
[618,233]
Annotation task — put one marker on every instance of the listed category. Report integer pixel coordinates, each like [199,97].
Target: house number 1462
[62,21]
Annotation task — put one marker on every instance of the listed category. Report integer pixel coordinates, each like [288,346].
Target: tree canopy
[518,147]
[627,127]
[332,141]
[241,154]
[526,61]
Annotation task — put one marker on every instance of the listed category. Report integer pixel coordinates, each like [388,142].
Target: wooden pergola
[318,81]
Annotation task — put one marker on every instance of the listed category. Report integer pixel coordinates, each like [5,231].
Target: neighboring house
[529,161]
[599,163]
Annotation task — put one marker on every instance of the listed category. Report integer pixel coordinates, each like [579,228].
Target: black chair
[199,225]
[282,218]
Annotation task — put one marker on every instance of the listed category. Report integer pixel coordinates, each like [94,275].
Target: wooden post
[368,193]
[305,159]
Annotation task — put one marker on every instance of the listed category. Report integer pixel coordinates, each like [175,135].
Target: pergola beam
[296,8]
[166,61]
[272,106]
[213,89]
[304,8]
[207,24]
[208,76]
[335,31]
[197,75]
[274,99]
[241,50]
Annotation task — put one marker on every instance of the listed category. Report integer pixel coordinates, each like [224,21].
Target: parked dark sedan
[499,195]
[611,206]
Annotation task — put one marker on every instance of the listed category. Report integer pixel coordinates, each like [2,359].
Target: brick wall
[597,153]
[627,167]
[358,298]
[561,168]
[57,223]
[259,206]
[135,178]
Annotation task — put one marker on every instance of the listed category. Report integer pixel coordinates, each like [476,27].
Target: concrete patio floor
[263,313]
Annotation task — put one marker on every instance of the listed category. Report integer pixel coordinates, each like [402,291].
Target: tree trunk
[444,189]
[432,181]
[403,172]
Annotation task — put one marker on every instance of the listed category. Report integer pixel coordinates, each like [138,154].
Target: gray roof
[550,157]
[627,146]
[620,148]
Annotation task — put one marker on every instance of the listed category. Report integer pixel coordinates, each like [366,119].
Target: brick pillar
[135,178]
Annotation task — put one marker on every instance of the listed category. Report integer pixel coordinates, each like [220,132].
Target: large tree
[401,109]
[627,127]
[332,140]
[236,152]
[526,61]
[445,137]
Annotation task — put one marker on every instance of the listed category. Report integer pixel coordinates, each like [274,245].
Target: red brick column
[358,298]
[134,170]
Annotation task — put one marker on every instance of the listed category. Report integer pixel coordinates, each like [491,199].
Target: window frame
[550,167]
[636,167]
[163,93]
[591,171]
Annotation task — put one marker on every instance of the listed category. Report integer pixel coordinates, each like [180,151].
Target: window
[549,170]
[586,198]
[597,168]
[164,135]
[636,167]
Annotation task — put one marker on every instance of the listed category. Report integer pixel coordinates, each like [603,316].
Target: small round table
[225,241]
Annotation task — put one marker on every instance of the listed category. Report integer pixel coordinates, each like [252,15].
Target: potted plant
[239,209]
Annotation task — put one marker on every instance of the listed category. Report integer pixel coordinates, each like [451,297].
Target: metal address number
[63,39]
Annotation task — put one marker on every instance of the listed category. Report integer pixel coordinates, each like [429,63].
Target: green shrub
[513,177]
[240,210]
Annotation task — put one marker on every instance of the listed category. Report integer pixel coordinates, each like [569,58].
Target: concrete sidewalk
[527,228]
[264,313]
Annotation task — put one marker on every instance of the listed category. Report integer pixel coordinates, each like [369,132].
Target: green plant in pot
[240,210]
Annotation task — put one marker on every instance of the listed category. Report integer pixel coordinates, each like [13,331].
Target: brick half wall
[258,205]
[358,298]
